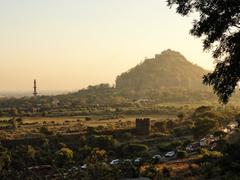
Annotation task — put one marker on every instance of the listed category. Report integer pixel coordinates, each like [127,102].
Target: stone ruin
[143,126]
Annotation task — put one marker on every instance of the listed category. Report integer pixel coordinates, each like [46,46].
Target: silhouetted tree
[5,159]
[203,126]
[219,25]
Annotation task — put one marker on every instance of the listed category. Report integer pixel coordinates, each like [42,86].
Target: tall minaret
[35,88]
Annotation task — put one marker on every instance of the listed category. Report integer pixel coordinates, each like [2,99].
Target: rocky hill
[170,69]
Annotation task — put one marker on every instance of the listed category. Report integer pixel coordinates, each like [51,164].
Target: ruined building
[143,126]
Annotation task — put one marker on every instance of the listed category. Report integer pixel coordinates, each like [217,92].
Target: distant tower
[35,88]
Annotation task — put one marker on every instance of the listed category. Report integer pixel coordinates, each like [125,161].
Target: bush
[160,126]
[44,130]
[127,136]
[103,142]
[206,154]
[134,149]
[19,120]
[181,154]
[203,126]
[64,156]
[175,144]
[88,118]
[180,115]
[170,146]
[166,172]
[91,131]
[150,172]
[183,130]
[5,159]
[164,148]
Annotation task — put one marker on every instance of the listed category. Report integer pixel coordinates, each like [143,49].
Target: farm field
[31,126]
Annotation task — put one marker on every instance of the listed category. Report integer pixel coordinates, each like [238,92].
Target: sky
[70,44]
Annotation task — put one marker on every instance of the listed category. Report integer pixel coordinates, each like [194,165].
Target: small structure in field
[143,126]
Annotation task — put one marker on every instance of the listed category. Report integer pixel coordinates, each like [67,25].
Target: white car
[189,148]
[170,154]
[138,160]
[157,156]
[84,166]
[74,168]
[115,162]
[226,130]
[203,142]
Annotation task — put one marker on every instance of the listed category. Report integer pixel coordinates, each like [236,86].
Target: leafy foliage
[203,126]
[5,159]
[219,25]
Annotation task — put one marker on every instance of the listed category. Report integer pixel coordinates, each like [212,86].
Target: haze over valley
[119,90]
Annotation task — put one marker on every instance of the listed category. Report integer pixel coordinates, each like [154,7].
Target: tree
[103,142]
[64,156]
[203,126]
[5,159]
[180,116]
[134,149]
[14,123]
[14,112]
[44,130]
[219,25]
[160,126]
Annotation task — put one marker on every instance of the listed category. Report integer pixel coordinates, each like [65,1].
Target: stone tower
[35,88]
[143,126]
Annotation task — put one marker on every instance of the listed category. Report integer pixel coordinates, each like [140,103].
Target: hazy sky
[70,44]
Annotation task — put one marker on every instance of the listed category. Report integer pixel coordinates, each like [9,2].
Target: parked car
[226,130]
[203,142]
[138,161]
[170,154]
[74,168]
[115,162]
[84,166]
[189,148]
[156,158]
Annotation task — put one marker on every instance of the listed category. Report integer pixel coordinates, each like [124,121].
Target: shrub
[180,115]
[44,130]
[203,126]
[181,131]
[91,131]
[103,142]
[88,118]
[166,171]
[206,154]
[150,172]
[5,159]
[19,120]
[135,149]
[127,135]
[160,126]
[64,156]
[181,154]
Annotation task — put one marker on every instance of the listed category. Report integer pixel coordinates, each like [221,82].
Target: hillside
[169,69]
